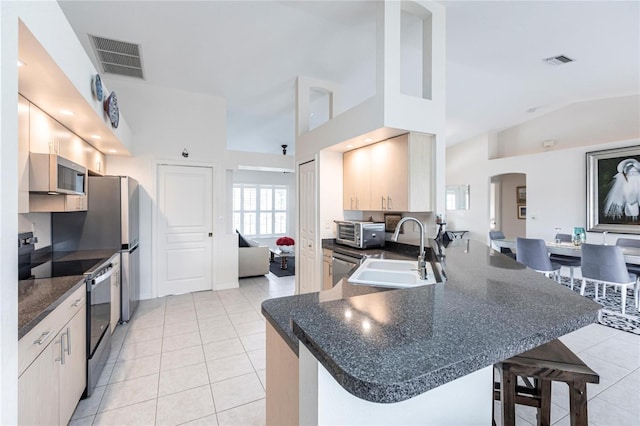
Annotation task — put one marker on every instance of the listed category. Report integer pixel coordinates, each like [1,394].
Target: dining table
[631,254]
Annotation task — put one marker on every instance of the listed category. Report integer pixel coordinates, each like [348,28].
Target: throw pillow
[242,242]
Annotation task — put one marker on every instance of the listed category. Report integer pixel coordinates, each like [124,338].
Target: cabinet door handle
[61,359]
[383,208]
[389,203]
[68,341]
[40,340]
[76,303]
[351,201]
[357,203]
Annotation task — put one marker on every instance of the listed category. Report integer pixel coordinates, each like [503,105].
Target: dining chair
[634,243]
[605,265]
[570,262]
[630,242]
[499,235]
[532,252]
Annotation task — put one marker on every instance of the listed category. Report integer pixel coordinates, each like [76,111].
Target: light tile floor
[195,358]
[200,359]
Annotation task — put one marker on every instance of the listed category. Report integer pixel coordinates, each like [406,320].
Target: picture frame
[521,194]
[522,211]
[613,205]
[391,221]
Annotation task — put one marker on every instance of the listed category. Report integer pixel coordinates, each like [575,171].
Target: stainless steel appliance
[98,321]
[360,234]
[53,174]
[342,265]
[110,222]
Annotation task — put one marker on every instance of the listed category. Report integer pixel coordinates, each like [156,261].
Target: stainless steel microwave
[52,174]
[360,234]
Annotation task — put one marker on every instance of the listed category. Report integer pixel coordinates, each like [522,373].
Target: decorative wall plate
[96,87]
[111,108]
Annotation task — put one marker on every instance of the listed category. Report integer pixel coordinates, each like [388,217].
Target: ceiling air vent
[118,57]
[558,60]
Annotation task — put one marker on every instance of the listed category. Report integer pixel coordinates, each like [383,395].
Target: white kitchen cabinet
[23,155]
[47,136]
[115,294]
[357,179]
[397,175]
[73,371]
[389,175]
[52,371]
[57,203]
[38,390]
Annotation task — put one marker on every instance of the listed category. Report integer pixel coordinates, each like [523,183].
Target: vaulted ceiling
[250,52]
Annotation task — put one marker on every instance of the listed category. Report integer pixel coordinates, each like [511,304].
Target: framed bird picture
[613,190]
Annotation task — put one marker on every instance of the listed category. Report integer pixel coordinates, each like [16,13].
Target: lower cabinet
[73,370]
[51,386]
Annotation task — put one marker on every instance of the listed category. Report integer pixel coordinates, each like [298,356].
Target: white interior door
[307,274]
[185,212]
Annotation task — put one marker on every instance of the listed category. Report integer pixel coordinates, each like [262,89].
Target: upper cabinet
[392,175]
[39,133]
[357,179]
[50,137]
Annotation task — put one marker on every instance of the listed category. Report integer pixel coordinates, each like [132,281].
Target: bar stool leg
[544,412]
[578,403]
[508,395]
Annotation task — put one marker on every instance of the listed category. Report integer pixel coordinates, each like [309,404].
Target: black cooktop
[61,268]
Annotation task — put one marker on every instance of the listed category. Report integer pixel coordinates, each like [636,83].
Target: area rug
[611,313]
[274,267]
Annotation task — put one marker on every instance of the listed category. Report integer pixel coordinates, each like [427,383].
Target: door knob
[210,234]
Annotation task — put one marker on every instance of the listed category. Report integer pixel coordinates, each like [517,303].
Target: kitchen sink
[393,265]
[391,273]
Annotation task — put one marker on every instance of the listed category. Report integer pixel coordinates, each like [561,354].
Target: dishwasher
[342,265]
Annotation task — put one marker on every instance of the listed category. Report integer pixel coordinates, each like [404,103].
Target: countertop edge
[397,392]
[25,329]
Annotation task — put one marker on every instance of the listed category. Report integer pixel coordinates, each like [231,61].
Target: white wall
[164,122]
[579,124]
[555,179]
[39,224]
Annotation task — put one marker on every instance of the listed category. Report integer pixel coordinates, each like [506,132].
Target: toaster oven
[360,234]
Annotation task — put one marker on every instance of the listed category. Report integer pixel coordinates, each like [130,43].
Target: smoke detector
[558,60]
[118,57]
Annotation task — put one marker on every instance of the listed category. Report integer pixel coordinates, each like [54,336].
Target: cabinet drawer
[36,340]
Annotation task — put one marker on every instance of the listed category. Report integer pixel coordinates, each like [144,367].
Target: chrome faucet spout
[422,264]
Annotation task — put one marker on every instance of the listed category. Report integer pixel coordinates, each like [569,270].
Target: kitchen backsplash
[39,224]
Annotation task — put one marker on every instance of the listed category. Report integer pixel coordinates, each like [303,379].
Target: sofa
[253,260]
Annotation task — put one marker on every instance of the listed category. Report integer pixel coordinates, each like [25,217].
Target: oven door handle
[103,277]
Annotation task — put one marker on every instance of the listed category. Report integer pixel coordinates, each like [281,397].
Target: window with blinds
[260,210]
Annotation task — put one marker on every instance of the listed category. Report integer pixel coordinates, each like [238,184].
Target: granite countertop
[37,298]
[279,311]
[390,346]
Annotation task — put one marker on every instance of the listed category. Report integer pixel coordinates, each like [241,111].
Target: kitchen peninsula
[420,355]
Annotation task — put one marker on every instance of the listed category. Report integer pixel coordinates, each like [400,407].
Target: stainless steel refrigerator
[110,222]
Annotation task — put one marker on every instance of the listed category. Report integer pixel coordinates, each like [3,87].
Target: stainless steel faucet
[422,264]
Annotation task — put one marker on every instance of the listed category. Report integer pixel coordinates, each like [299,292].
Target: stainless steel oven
[98,319]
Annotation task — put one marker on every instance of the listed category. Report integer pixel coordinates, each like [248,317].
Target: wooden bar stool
[552,361]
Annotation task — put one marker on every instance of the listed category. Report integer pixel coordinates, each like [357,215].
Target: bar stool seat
[552,361]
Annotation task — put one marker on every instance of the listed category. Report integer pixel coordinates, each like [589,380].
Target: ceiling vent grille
[558,60]
[118,57]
